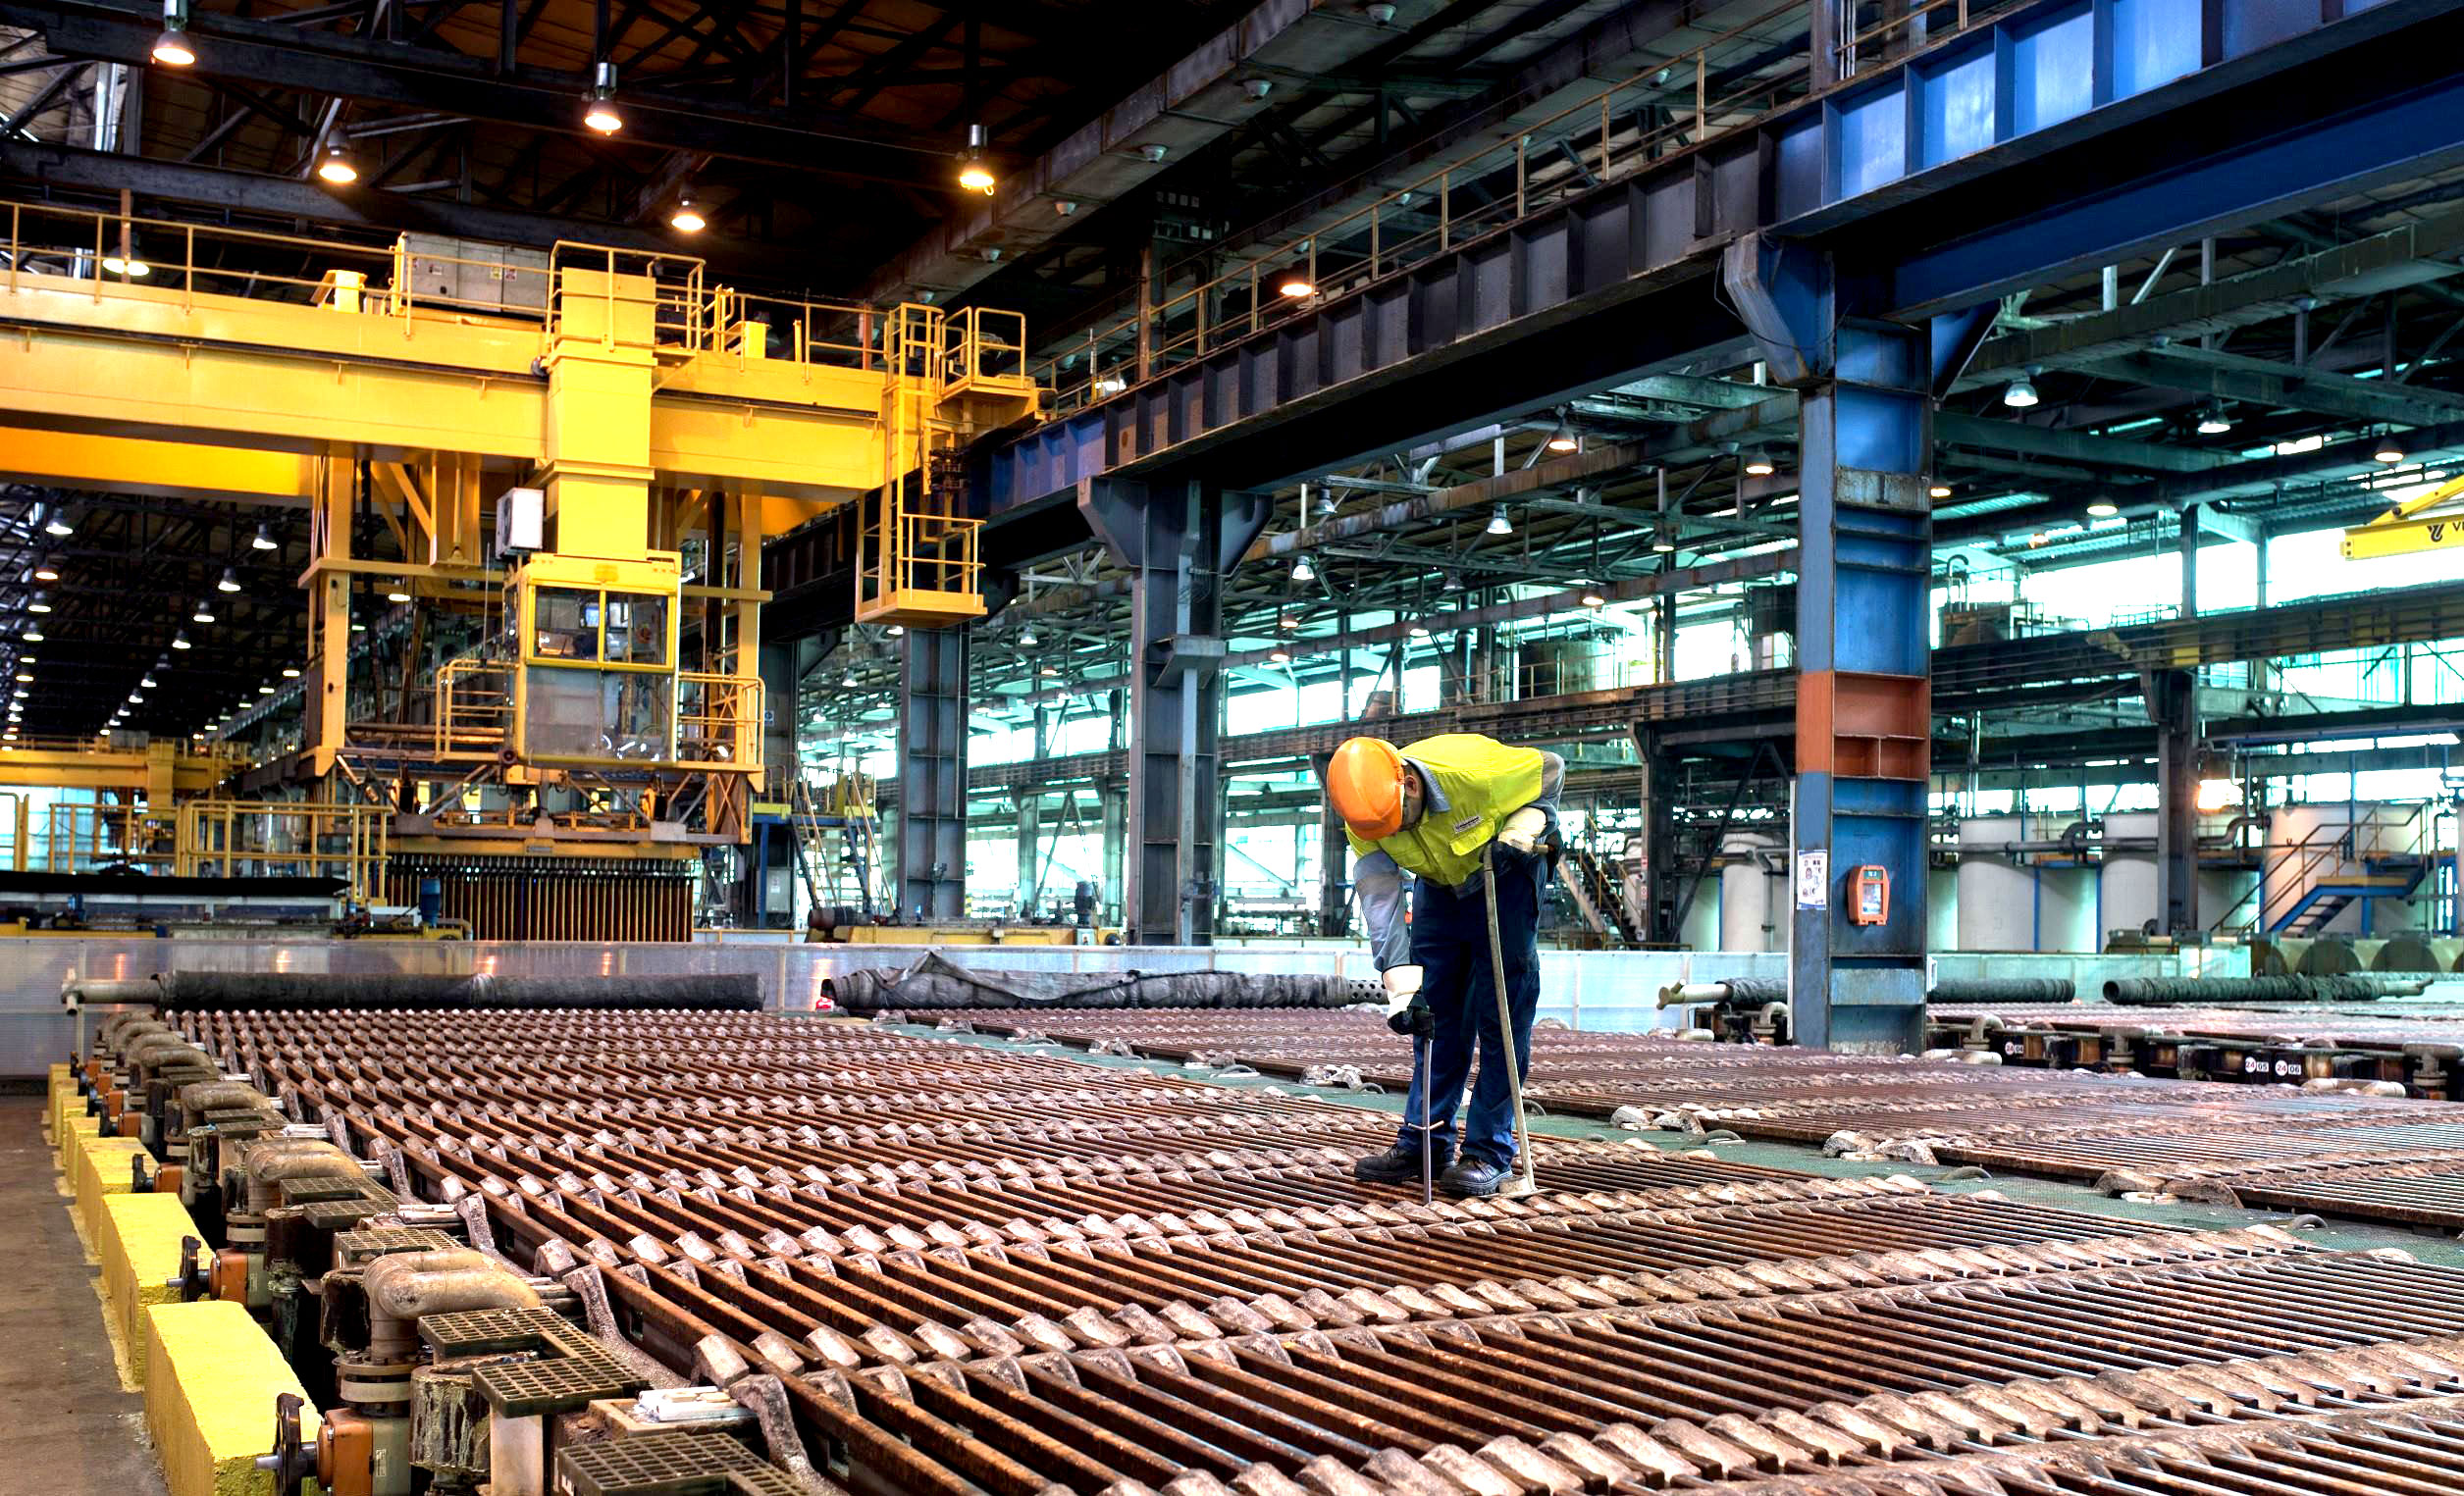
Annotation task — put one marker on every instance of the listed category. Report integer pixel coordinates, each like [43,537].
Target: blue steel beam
[1916,179]
[1864,713]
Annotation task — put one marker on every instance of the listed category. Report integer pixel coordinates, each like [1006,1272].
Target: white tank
[1942,909]
[2128,890]
[1749,905]
[2010,903]
[2225,894]
[1702,929]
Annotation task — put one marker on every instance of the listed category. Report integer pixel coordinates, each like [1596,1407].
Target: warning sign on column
[1813,879]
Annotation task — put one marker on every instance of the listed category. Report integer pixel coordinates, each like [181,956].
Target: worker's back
[1477,783]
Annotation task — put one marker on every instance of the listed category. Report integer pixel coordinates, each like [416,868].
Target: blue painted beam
[2418,133]
[1918,177]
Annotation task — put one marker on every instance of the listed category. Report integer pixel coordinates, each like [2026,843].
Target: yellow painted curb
[211,1377]
[139,1241]
[75,1124]
[101,1169]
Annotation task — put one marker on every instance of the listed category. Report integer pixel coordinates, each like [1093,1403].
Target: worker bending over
[1430,809]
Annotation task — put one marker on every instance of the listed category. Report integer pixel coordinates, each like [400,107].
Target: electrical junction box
[473,276]
[521,521]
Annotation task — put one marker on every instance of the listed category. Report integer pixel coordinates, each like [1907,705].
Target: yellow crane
[2410,526]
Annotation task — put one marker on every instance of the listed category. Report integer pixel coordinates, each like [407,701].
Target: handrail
[690,316]
[1298,268]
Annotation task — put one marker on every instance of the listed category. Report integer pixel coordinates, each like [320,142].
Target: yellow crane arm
[2399,532]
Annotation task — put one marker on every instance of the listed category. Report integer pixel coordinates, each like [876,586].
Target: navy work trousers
[1450,945]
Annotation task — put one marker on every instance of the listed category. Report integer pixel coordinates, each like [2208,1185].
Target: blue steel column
[1178,539]
[932,776]
[1864,688]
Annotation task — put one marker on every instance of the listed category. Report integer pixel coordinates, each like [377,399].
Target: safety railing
[981,345]
[47,246]
[474,707]
[1725,84]
[718,721]
[2324,852]
[80,837]
[285,839]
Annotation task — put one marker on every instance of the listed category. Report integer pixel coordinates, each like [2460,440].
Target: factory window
[565,624]
[637,627]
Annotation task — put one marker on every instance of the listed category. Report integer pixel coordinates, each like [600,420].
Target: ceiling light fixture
[1302,571]
[2103,509]
[687,219]
[397,590]
[2019,394]
[44,571]
[2387,452]
[848,680]
[2213,422]
[34,634]
[1288,621]
[39,603]
[180,641]
[1938,490]
[1420,631]
[598,113]
[204,612]
[1760,465]
[1280,655]
[290,672]
[127,265]
[57,523]
[975,173]
[145,682]
[172,48]
[338,167]
[265,691]
[1026,633]
[229,581]
[1565,442]
[1593,599]
[1297,287]
[1663,546]
[264,540]
[1498,523]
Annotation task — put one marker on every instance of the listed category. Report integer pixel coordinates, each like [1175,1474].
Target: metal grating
[655,1464]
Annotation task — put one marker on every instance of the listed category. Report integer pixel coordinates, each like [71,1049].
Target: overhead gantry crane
[639,429]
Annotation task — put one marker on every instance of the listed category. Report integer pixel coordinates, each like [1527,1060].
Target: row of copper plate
[998,1270]
[2279,1146]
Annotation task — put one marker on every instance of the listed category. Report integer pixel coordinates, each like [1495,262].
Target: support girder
[1597,289]
[166,366]
[2287,387]
[375,70]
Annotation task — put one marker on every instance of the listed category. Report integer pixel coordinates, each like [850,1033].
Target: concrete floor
[71,1430]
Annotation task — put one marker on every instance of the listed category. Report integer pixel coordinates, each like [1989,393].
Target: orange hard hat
[1365,781]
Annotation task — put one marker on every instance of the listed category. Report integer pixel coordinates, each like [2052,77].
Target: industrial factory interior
[1232,747]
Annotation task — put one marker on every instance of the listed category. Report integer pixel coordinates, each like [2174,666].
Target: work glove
[1525,830]
[1405,1013]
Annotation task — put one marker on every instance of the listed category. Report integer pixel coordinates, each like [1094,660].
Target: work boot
[1471,1178]
[1400,1165]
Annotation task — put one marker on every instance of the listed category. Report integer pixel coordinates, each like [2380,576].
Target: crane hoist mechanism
[2415,524]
